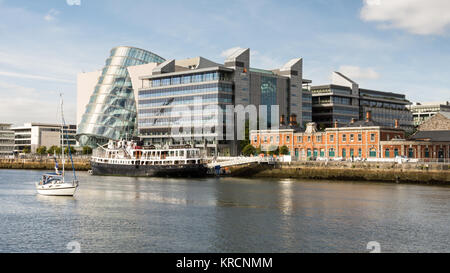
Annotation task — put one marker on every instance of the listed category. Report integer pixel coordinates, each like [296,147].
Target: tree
[246,142]
[26,150]
[248,150]
[259,151]
[87,150]
[53,149]
[284,150]
[41,150]
[72,150]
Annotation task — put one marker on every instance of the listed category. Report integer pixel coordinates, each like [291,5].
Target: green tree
[284,150]
[26,150]
[259,151]
[53,149]
[87,150]
[244,143]
[41,150]
[248,150]
[72,150]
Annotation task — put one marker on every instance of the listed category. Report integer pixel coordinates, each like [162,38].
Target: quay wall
[44,164]
[417,173]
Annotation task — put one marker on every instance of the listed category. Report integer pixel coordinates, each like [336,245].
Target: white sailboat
[55,184]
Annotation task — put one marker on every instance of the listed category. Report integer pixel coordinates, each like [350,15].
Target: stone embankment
[80,164]
[417,173]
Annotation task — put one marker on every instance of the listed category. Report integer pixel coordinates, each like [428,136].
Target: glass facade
[169,103]
[269,94]
[111,112]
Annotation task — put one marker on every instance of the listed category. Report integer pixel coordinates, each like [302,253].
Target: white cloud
[73,2]
[230,51]
[415,16]
[358,73]
[51,15]
[20,104]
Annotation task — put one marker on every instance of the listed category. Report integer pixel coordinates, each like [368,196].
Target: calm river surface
[119,214]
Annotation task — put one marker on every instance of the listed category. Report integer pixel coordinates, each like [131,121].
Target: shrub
[41,150]
[248,150]
[87,150]
[284,150]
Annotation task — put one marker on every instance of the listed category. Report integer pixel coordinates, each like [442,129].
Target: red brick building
[359,139]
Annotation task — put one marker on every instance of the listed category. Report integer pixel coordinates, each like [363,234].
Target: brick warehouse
[359,139]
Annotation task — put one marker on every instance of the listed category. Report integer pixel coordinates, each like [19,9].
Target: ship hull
[190,170]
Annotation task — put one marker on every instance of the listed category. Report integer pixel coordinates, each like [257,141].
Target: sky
[388,45]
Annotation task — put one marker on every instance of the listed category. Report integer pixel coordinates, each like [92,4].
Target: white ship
[126,158]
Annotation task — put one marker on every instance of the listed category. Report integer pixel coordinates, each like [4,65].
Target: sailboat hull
[57,190]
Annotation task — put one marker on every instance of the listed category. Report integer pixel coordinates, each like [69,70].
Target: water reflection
[56,200]
[117,214]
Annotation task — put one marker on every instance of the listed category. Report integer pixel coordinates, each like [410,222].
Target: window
[331,152]
[352,137]
[197,78]
[388,137]
[344,138]
[359,152]
[309,153]
[372,137]
[186,79]
[255,139]
[359,137]
[395,152]
[411,153]
[176,80]
[156,83]
[319,138]
[322,153]
[271,139]
[309,138]
[373,152]
[299,139]
[165,82]
[352,153]
[386,153]
[278,139]
[288,139]
[427,152]
[265,139]
[344,153]
[331,138]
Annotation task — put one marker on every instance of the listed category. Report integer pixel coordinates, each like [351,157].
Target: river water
[120,214]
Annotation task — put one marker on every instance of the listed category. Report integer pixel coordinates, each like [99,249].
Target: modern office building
[197,85]
[343,100]
[35,135]
[423,111]
[110,112]
[6,140]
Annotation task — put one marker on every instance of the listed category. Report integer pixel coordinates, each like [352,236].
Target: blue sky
[398,46]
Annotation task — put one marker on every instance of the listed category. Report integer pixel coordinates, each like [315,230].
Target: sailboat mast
[62,134]
[66,137]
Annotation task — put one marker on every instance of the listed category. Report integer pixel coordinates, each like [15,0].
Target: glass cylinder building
[111,111]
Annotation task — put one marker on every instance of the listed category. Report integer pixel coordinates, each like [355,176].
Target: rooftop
[432,135]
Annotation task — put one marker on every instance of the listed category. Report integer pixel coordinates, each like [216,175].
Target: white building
[423,111]
[35,135]
[6,140]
